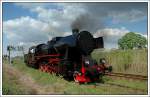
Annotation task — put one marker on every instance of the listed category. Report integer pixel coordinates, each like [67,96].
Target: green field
[125,61]
[20,79]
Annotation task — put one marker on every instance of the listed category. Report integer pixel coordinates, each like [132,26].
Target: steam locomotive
[69,56]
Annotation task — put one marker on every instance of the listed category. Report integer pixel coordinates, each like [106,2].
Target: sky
[29,24]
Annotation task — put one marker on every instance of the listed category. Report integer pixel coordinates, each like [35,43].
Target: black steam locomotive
[69,56]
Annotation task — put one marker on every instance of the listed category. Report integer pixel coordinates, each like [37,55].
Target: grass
[12,84]
[126,61]
[37,82]
[136,84]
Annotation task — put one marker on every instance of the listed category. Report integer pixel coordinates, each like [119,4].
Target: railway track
[122,86]
[128,76]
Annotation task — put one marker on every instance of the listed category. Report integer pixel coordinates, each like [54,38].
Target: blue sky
[11,11]
[32,23]
[140,26]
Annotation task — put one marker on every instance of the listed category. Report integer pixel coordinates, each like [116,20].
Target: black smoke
[87,22]
[96,14]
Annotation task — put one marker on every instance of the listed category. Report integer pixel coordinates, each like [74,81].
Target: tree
[132,40]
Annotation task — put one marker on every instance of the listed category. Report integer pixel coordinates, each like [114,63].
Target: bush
[127,61]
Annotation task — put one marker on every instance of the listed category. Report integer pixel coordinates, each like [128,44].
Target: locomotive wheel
[49,68]
[76,79]
[46,68]
[74,76]
[43,67]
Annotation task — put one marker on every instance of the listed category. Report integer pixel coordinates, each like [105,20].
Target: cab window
[32,51]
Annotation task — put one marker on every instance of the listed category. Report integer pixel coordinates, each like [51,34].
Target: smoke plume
[96,13]
[88,22]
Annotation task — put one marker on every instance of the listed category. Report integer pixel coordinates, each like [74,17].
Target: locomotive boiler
[69,56]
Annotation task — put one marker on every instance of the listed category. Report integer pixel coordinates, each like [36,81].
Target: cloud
[29,31]
[55,19]
[60,18]
[118,12]
[131,16]
[32,5]
[111,36]
[25,30]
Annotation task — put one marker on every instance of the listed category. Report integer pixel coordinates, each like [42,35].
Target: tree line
[132,40]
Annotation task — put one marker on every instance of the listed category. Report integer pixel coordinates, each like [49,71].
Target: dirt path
[24,80]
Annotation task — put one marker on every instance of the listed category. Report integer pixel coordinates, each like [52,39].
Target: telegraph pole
[9,54]
[14,48]
[23,52]
[9,57]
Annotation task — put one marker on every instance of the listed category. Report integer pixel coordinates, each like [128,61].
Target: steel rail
[123,86]
[129,76]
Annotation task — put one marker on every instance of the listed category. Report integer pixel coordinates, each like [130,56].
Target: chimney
[75,31]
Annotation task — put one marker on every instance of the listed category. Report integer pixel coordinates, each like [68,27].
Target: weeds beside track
[51,84]
[128,76]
